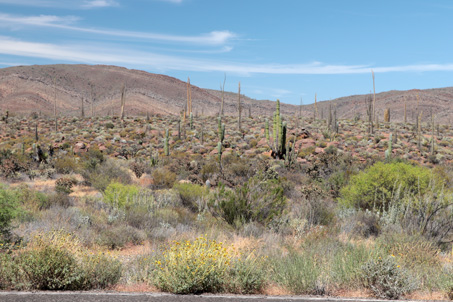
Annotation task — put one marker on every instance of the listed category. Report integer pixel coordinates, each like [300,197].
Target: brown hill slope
[26,89]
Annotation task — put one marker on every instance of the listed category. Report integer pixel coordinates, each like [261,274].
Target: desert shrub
[203,265]
[386,278]
[118,236]
[11,163]
[256,200]
[306,151]
[11,275]
[364,224]
[119,195]
[64,185]
[8,211]
[50,268]
[191,195]
[103,173]
[56,261]
[109,126]
[163,178]
[138,168]
[378,184]
[66,164]
[299,273]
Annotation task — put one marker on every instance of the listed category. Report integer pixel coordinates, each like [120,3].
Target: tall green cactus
[219,151]
[388,152]
[219,126]
[222,133]
[282,138]
[166,149]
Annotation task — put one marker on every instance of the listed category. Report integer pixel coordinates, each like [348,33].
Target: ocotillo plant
[123,101]
[239,107]
[222,88]
[166,148]
[266,130]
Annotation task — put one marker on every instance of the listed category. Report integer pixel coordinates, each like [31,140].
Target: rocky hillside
[26,89]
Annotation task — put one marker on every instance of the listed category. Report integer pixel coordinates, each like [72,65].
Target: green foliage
[66,164]
[50,268]
[202,265]
[256,200]
[191,195]
[298,272]
[8,211]
[119,195]
[100,174]
[163,178]
[65,184]
[376,186]
[386,279]
[117,237]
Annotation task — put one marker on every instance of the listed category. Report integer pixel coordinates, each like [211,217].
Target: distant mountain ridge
[26,89]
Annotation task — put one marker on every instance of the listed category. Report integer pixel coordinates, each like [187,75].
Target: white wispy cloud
[71,4]
[172,1]
[213,38]
[99,3]
[114,54]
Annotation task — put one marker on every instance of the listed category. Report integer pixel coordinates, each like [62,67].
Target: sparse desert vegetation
[195,205]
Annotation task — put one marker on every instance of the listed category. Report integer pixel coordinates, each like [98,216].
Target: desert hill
[26,89]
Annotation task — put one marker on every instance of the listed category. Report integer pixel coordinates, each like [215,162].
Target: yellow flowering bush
[205,265]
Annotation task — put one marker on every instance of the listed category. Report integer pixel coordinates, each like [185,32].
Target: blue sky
[276,49]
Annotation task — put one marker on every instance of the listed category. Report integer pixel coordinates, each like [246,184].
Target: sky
[288,49]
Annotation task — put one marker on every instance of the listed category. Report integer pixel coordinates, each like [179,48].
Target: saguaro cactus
[166,148]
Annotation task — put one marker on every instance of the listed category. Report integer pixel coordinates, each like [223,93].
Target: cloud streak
[71,4]
[213,38]
[98,54]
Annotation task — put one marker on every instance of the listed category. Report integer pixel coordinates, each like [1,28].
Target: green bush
[50,268]
[66,164]
[119,195]
[202,265]
[163,178]
[376,186]
[191,195]
[8,211]
[99,271]
[297,272]
[64,184]
[386,279]
[256,200]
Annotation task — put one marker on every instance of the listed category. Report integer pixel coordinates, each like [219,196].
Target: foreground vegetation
[326,211]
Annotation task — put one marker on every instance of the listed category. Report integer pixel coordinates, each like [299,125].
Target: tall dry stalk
[239,106]
[374,96]
[123,100]
[222,88]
